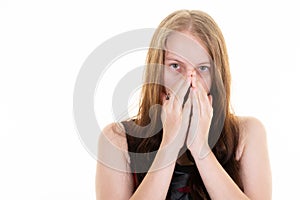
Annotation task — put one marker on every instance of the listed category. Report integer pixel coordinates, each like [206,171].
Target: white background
[44,43]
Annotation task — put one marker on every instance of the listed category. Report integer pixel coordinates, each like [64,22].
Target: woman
[193,146]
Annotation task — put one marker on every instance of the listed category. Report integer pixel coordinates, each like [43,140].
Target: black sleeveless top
[178,189]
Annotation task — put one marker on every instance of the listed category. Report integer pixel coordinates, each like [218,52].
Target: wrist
[201,151]
[173,144]
[169,148]
[165,156]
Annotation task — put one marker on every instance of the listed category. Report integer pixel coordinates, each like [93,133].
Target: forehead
[187,47]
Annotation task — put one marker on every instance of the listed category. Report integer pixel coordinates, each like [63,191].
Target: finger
[204,99]
[180,91]
[210,99]
[195,118]
[183,91]
[186,111]
[193,82]
[172,84]
[200,84]
[196,105]
[172,92]
[203,83]
[165,106]
[197,92]
[186,114]
[182,82]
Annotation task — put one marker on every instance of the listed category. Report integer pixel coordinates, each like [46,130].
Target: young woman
[192,146]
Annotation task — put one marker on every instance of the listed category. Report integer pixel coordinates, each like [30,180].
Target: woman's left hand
[202,112]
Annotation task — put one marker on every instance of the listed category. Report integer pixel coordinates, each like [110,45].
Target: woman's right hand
[175,117]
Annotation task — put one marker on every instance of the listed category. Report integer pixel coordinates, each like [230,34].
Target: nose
[191,71]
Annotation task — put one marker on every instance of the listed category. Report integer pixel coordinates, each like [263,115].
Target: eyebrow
[177,60]
[206,63]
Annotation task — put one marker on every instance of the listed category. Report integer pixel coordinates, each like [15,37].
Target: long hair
[224,146]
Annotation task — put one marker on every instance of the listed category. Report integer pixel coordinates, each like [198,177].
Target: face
[186,57]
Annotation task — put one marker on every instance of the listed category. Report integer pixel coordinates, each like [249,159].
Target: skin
[187,59]
[252,150]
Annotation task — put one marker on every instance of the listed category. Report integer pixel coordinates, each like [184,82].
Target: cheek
[171,78]
[168,78]
[205,82]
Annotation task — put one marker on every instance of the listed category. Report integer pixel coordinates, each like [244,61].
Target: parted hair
[204,28]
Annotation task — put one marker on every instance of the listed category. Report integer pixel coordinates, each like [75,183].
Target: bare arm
[255,169]
[255,164]
[114,179]
[156,183]
[175,122]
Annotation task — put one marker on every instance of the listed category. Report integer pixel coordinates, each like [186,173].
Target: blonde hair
[203,27]
[200,25]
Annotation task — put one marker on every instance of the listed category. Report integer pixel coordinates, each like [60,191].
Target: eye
[203,68]
[175,66]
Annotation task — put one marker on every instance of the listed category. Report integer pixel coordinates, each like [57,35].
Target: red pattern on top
[185,189]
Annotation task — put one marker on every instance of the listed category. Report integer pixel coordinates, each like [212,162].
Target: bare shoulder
[115,133]
[112,139]
[251,124]
[251,131]
[255,164]
[113,166]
